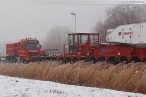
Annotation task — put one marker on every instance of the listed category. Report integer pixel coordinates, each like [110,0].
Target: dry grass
[131,77]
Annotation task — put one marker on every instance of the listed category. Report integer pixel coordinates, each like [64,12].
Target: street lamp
[75,21]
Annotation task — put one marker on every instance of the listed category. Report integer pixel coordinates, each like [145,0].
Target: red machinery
[27,50]
[89,47]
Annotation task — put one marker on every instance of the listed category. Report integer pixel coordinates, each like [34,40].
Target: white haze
[33,18]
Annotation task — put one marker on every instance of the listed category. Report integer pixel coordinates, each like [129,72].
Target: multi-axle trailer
[89,47]
[125,43]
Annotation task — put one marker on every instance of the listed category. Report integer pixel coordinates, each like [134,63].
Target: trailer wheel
[67,60]
[112,60]
[144,59]
[124,59]
[25,61]
[83,58]
[75,60]
[93,60]
[135,59]
[61,60]
[47,58]
[101,59]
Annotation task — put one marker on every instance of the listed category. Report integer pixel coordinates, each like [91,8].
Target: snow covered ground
[18,87]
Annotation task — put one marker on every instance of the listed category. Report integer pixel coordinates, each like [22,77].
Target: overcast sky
[34,18]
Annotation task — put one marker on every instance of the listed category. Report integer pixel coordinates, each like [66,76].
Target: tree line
[121,15]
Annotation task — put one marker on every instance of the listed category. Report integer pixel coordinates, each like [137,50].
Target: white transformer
[131,34]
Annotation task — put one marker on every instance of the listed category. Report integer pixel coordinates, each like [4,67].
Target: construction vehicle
[123,44]
[27,50]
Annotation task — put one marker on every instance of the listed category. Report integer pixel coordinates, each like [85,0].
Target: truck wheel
[24,61]
[27,61]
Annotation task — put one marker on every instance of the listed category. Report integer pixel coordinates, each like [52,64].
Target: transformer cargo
[129,34]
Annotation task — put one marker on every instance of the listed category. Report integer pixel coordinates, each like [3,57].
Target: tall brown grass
[130,77]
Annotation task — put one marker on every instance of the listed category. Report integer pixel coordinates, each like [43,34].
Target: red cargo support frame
[89,47]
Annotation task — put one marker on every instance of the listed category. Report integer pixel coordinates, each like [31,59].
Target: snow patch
[19,87]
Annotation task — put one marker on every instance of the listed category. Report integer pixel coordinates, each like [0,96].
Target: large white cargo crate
[132,34]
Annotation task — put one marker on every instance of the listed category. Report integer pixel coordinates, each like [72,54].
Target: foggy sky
[33,18]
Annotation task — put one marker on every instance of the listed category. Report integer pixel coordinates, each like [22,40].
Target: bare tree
[100,27]
[56,38]
[143,12]
[121,15]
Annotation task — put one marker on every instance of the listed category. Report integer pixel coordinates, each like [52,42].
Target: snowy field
[18,87]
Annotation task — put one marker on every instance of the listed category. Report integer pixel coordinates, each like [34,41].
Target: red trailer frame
[90,47]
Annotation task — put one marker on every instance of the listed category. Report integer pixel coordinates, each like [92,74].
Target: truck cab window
[32,44]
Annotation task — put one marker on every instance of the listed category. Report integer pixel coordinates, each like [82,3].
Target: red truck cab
[27,50]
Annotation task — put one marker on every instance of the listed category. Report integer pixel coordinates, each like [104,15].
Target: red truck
[27,50]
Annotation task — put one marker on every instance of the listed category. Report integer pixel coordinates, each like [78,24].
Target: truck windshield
[32,44]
